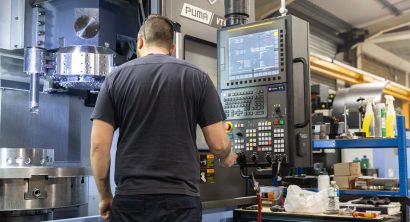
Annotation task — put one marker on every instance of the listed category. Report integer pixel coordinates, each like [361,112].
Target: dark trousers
[156,208]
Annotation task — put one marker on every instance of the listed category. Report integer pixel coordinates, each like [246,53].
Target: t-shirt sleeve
[104,107]
[210,108]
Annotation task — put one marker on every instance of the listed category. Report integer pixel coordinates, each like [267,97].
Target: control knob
[254,158]
[277,110]
[268,158]
[241,160]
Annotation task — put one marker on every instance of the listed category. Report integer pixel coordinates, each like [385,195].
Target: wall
[381,69]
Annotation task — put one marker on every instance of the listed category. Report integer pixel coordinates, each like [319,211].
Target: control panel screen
[254,55]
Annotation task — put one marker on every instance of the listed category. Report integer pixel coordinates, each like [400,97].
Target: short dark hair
[158,30]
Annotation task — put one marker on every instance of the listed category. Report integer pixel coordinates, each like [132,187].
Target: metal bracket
[36,187]
[38,24]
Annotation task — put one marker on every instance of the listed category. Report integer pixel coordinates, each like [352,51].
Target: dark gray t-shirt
[156,102]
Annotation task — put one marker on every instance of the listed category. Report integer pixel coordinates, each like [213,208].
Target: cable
[142,9]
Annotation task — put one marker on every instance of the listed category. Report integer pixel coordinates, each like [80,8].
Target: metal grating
[322,46]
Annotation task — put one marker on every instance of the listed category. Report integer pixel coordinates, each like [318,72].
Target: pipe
[282,9]
[236,12]
[179,45]
[179,41]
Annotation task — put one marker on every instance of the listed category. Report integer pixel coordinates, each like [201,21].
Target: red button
[275,122]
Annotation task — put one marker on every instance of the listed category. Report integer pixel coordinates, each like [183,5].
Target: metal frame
[401,143]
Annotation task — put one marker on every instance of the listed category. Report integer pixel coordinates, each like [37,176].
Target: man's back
[157,102]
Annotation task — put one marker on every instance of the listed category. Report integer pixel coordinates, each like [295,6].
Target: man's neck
[156,50]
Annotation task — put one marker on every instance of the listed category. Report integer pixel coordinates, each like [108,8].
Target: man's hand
[105,208]
[229,160]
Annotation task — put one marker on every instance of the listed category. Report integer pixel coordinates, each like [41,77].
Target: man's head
[156,35]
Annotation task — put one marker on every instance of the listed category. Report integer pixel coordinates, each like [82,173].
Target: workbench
[242,215]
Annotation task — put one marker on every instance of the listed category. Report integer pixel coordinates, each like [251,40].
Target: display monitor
[254,55]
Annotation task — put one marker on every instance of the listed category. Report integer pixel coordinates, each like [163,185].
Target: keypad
[244,103]
[260,137]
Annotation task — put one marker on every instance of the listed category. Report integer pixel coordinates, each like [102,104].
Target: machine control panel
[245,103]
[264,85]
[261,137]
[261,141]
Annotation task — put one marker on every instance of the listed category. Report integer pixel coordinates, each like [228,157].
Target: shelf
[401,143]
[364,192]
[370,192]
[357,143]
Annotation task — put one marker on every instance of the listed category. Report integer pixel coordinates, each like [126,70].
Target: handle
[306,90]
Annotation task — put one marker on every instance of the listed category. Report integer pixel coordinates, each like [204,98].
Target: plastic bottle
[364,162]
[323,181]
[368,121]
[356,160]
[333,194]
[390,117]
[380,120]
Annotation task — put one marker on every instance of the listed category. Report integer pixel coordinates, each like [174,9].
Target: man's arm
[219,143]
[101,139]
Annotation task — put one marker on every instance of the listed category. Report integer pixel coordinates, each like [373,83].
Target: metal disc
[86,27]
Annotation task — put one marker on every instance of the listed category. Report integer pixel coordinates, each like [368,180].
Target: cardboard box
[341,169]
[347,169]
[355,169]
[364,182]
[345,182]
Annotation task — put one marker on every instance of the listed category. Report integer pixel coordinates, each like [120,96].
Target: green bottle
[364,162]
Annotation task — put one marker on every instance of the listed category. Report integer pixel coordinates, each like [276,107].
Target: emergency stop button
[228,127]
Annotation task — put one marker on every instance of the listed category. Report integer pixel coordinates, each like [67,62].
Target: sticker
[210,160]
[210,175]
[202,160]
[202,16]
[203,176]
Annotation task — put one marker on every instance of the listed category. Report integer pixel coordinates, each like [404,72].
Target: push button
[228,127]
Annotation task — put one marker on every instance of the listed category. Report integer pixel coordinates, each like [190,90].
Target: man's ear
[172,50]
[140,41]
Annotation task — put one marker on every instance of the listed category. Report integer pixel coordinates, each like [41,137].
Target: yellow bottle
[368,121]
[390,117]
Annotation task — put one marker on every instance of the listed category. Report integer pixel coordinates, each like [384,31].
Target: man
[156,101]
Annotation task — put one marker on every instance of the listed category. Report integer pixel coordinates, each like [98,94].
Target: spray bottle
[390,117]
[368,121]
[380,120]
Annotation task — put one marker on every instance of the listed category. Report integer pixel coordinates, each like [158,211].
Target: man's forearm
[100,164]
[226,153]
[223,153]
